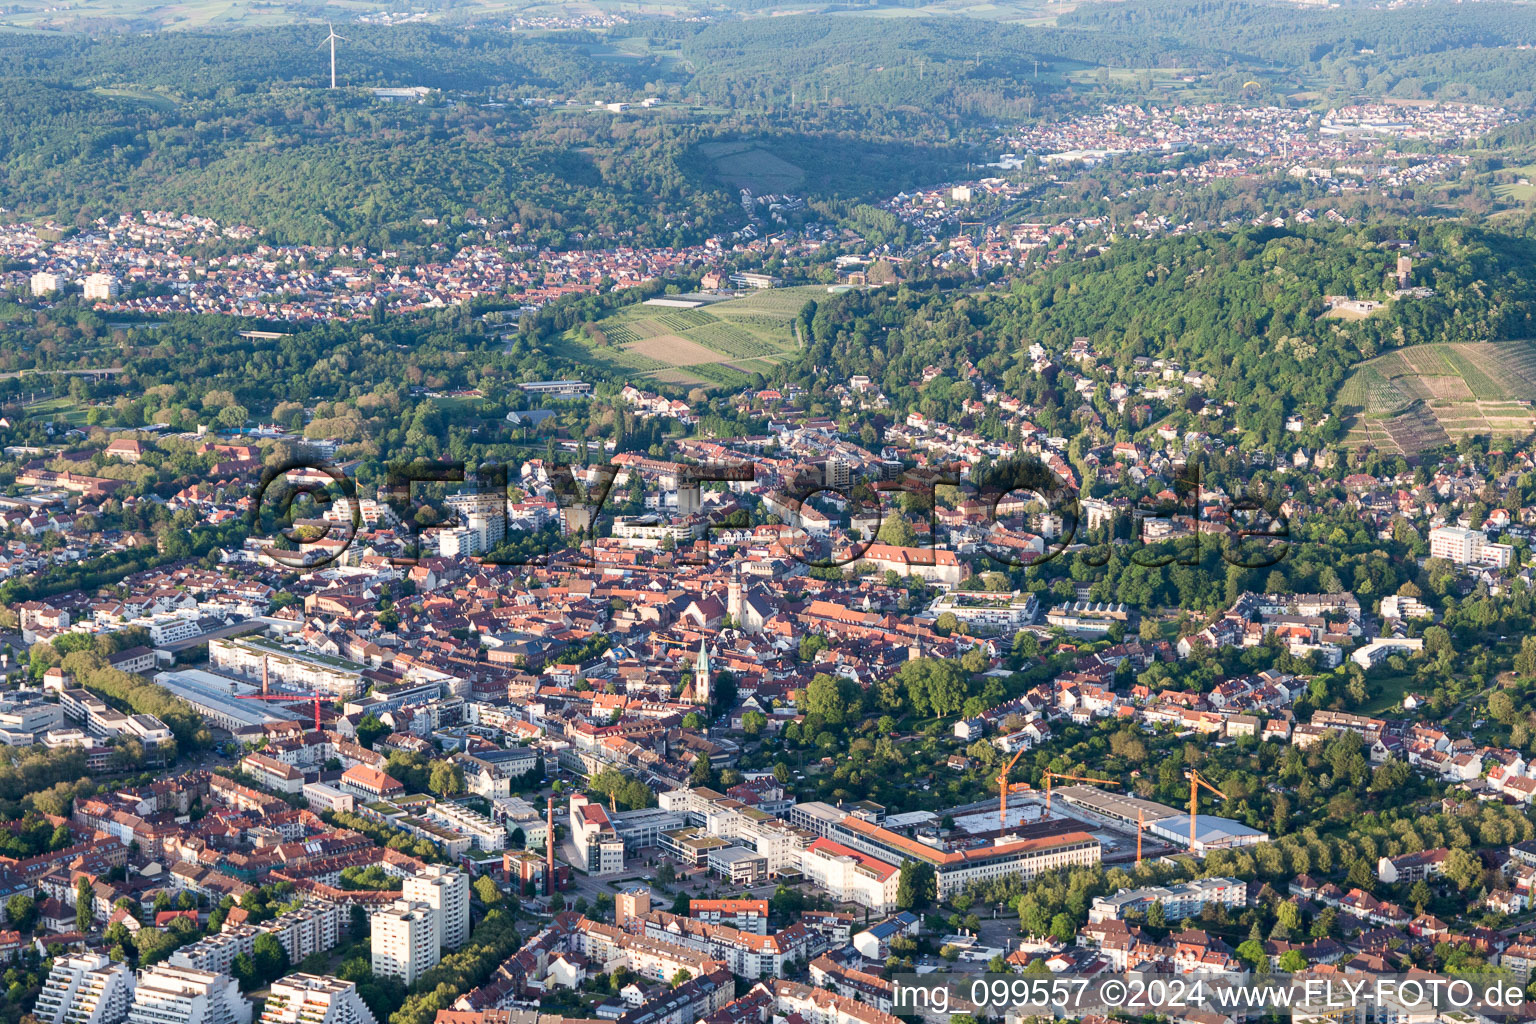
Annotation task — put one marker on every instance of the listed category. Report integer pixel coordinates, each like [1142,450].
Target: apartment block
[405,943]
[315,999]
[166,994]
[446,891]
[85,988]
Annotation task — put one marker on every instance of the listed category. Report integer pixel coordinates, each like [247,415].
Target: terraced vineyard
[722,343]
[1371,391]
[1427,395]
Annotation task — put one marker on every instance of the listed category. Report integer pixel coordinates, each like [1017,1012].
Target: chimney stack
[549,847]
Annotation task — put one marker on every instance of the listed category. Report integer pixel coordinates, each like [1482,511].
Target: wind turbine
[332,40]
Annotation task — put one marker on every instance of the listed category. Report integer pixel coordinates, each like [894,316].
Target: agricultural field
[747,165]
[720,344]
[1417,398]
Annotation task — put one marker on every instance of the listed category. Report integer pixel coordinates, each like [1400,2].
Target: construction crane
[316,697]
[1002,789]
[1196,780]
[1075,778]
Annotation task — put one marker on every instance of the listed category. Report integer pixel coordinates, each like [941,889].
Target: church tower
[701,694]
[733,597]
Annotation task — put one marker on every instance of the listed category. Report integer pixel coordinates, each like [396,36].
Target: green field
[748,165]
[53,409]
[722,344]
[1416,398]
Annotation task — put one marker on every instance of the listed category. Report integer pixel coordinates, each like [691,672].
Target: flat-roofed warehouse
[1116,806]
[1170,823]
[1211,832]
[214,698]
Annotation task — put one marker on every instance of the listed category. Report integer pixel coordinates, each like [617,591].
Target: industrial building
[1168,823]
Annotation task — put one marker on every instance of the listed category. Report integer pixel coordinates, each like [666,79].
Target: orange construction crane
[1002,789]
[1195,782]
[1075,778]
[291,698]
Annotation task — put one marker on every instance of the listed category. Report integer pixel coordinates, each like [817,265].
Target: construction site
[1128,828]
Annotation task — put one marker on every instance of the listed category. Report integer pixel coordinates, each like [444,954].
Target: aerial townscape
[719,512]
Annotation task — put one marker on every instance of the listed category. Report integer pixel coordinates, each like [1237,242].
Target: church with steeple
[697,689]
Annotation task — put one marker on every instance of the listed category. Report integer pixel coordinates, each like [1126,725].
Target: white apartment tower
[85,988]
[1467,547]
[404,941]
[446,891]
[315,999]
[185,995]
[45,283]
[102,287]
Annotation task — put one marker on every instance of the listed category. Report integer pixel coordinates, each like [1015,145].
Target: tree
[683,975]
[446,779]
[85,912]
[369,729]
[487,890]
[1291,961]
[917,887]
[752,722]
[1420,895]
[1463,868]
[1525,661]
[1155,915]
[269,956]
[786,902]
[244,971]
[21,912]
[1251,952]
[897,530]
[824,698]
[1502,707]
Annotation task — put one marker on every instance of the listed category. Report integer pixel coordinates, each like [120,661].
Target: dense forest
[233,126]
[237,125]
[1425,49]
[1243,308]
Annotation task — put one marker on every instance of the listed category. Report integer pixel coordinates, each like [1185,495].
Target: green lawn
[1393,686]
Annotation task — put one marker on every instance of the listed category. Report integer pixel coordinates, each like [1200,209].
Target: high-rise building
[85,988]
[631,904]
[315,999]
[45,283]
[446,891]
[599,850]
[1467,547]
[404,941]
[102,287]
[185,995]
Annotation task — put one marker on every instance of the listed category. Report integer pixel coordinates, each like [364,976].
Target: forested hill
[1247,29]
[1244,308]
[222,65]
[1429,49]
[238,126]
